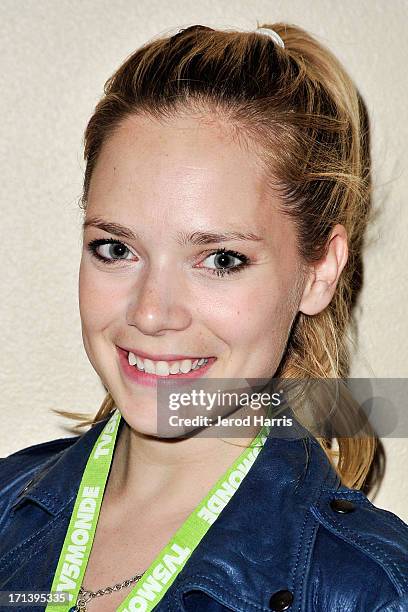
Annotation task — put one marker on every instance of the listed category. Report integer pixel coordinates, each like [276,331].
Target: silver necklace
[85,596]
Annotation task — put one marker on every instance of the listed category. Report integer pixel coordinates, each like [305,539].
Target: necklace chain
[85,596]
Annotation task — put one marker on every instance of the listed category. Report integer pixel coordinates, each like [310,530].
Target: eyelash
[94,244]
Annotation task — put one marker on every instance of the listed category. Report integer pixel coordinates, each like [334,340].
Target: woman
[226,194]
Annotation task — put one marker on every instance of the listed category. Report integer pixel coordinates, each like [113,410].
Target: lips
[162,357]
[151,380]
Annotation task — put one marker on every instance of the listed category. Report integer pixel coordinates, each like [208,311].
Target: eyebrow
[183,238]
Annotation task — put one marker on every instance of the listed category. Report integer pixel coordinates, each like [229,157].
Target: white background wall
[54,58]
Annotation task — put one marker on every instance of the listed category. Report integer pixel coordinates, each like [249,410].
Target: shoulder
[362,551]
[20,468]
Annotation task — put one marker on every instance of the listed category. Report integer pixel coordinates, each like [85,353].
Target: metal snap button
[281,600]
[343,506]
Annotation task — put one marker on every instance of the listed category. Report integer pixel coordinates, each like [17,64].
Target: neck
[149,472]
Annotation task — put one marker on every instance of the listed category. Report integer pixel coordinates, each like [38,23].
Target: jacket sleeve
[360,557]
[398,605]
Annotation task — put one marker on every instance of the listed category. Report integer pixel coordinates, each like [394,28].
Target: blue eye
[223,257]
[117,251]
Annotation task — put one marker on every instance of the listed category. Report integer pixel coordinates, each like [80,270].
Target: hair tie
[265,31]
[272,34]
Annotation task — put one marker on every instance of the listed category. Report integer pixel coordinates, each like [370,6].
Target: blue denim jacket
[291,538]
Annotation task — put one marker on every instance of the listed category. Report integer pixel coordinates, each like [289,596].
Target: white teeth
[185,366]
[175,367]
[163,368]
[139,363]
[132,359]
[149,366]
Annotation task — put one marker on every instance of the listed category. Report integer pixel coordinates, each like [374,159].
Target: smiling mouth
[166,368]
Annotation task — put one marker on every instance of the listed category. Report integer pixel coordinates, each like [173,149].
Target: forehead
[187,155]
[186,170]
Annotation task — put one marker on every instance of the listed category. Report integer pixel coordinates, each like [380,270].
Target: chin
[145,421]
[139,415]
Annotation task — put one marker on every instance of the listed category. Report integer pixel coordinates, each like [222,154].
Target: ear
[324,275]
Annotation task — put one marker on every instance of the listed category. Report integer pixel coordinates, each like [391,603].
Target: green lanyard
[169,562]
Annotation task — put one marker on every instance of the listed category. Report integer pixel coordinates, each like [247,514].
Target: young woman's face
[183,190]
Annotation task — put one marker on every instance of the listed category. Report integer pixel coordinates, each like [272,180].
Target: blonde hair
[310,125]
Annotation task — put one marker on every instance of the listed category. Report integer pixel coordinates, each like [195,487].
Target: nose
[159,303]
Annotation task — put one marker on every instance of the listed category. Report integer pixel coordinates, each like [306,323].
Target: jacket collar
[56,484]
[260,542]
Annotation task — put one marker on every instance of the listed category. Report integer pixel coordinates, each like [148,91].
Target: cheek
[225,312]
[99,301]
[247,318]
[255,326]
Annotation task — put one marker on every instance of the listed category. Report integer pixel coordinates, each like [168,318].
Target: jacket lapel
[38,517]
[262,541]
